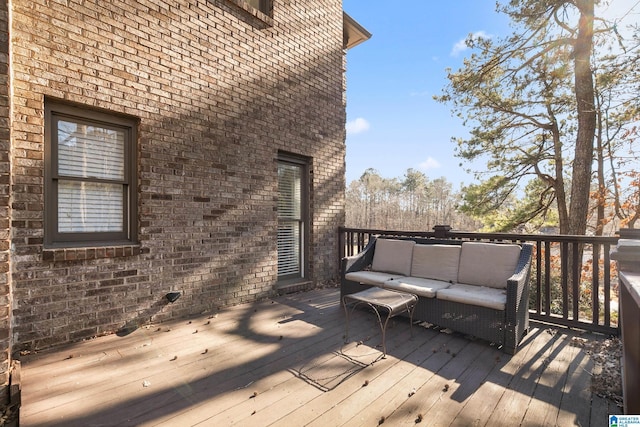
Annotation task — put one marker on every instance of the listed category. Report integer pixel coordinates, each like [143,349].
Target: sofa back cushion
[393,256]
[487,264]
[439,262]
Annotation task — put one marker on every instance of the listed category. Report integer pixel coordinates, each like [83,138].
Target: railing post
[341,247]
[627,254]
[441,231]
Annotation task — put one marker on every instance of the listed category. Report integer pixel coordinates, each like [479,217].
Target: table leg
[410,307]
[346,313]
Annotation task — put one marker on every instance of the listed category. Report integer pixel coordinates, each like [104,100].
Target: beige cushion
[475,295]
[416,285]
[439,262]
[487,264]
[393,256]
[375,278]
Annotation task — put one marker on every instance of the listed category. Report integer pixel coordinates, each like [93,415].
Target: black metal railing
[573,280]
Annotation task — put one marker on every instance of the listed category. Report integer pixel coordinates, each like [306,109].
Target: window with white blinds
[291,220]
[90,195]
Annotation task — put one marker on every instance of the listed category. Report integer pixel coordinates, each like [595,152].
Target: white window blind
[90,152]
[288,249]
[89,207]
[290,221]
[289,192]
[91,185]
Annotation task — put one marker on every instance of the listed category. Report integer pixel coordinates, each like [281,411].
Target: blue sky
[393,123]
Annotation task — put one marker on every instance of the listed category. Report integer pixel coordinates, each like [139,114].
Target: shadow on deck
[284,362]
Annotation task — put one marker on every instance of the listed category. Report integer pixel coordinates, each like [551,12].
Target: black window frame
[55,111]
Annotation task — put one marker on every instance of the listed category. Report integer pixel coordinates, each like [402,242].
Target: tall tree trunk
[582,164]
[581,177]
[601,196]
[558,183]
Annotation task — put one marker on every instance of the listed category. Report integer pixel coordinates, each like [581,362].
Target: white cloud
[461,45]
[358,125]
[430,163]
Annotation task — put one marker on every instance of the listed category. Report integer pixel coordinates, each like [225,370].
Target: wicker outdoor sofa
[476,288]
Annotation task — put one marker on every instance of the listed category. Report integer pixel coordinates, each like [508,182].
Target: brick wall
[5,208]
[218,93]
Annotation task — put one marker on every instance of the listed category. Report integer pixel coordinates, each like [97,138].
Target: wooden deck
[284,363]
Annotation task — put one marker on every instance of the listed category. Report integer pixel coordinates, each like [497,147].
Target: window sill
[253,11]
[87,253]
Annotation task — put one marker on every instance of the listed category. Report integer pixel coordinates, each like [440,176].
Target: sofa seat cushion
[439,262]
[393,256]
[374,278]
[475,295]
[487,264]
[426,288]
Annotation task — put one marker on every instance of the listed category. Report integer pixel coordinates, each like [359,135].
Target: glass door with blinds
[291,220]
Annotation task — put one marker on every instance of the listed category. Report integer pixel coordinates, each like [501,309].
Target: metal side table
[393,302]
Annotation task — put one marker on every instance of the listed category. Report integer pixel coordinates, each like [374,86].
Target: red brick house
[150,147]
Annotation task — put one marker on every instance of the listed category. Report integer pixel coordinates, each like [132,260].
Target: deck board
[520,377]
[576,391]
[495,397]
[341,405]
[283,362]
[423,369]
[543,408]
